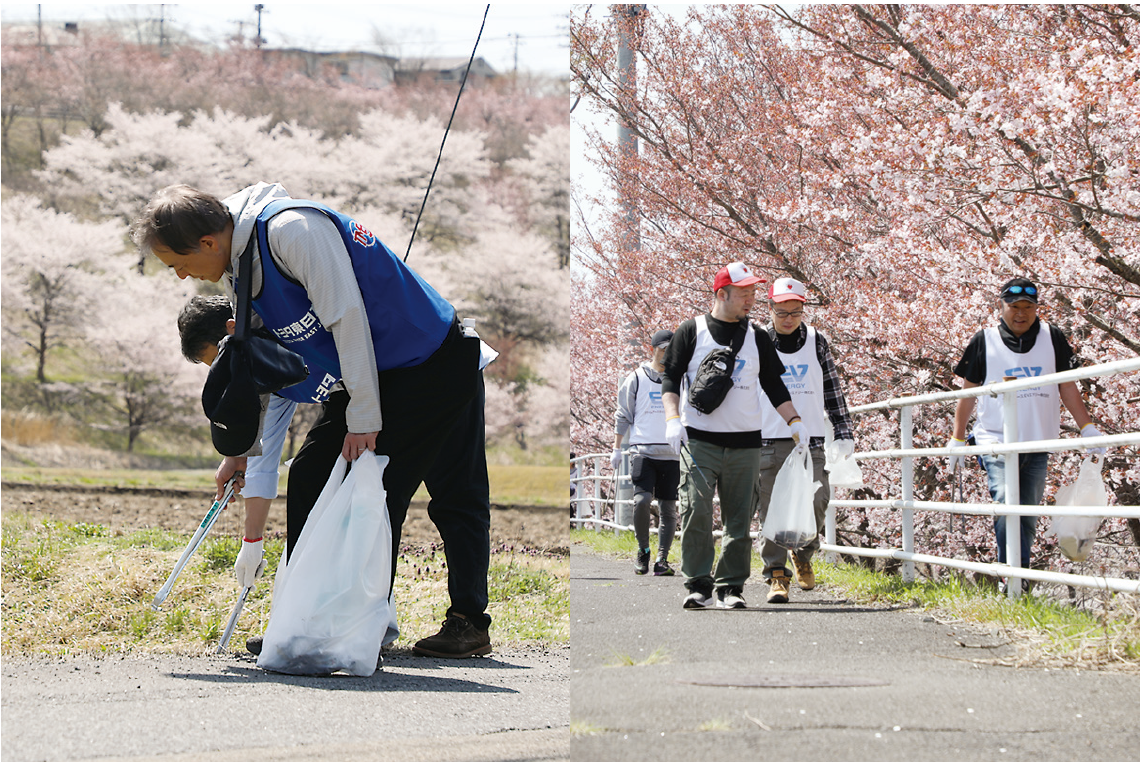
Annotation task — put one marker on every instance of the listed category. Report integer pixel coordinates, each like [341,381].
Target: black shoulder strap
[738,339]
[243,289]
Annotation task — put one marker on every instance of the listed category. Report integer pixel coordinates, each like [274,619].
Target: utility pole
[515,36]
[628,38]
[40,27]
[259,8]
[162,29]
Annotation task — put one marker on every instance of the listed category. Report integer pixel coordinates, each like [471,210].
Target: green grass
[84,588]
[510,484]
[1047,630]
[660,655]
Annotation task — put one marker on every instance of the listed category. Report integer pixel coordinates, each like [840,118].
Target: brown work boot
[804,574]
[778,587]
[457,639]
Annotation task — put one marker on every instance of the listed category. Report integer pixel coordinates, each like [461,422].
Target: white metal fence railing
[590,509]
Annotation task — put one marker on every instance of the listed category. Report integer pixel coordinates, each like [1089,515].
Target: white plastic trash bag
[791,516]
[1076,534]
[842,472]
[330,600]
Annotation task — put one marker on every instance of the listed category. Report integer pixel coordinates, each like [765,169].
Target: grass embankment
[1046,631]
[510,484]
[71,588]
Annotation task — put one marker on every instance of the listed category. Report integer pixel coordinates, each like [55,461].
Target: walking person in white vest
[723,444]
[811,378]
[654,468]
[1019,346]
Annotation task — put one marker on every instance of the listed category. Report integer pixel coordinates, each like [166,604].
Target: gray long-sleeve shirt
[308,248]
[626,414]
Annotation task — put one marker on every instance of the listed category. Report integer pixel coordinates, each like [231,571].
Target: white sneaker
[698,600]
[731,598]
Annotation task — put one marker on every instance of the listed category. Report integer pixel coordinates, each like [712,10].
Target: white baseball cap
[787,289]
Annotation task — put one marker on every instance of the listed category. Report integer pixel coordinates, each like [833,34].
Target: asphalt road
[508,706]
[888,684]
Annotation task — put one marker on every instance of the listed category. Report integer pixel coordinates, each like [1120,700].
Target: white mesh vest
[1038,408]
[648,412]
[740,410]
[803,375]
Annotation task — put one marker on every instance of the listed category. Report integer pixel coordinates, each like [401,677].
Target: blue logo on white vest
[795,376]
[1023,372]
[655,398]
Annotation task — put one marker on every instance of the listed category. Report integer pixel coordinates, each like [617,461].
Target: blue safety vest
[408,319]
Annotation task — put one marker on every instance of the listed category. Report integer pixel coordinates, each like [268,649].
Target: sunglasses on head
[1030,290]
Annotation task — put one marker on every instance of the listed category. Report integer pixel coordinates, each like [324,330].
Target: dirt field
[545,529]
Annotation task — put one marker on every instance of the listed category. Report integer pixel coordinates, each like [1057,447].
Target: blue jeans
[1032,468]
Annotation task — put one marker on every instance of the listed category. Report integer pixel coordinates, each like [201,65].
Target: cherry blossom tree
[51,269]
[903,161]
[140,379]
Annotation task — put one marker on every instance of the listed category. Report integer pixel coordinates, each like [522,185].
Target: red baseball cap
[786,289]
[735,274]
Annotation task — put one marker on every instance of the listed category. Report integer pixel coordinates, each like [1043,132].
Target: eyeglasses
[781,315]
[1030,290]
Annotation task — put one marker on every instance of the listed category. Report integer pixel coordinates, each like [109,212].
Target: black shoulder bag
[247,366]
[714,375]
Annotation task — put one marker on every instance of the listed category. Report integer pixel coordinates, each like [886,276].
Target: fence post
[596,506]
[907,424]
[1011,431]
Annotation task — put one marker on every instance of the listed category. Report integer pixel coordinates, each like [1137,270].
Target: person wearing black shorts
[654,467]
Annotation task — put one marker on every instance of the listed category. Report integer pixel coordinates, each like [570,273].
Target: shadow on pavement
[379,682]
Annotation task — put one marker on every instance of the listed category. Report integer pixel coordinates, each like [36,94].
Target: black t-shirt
[680,353]
[972,366]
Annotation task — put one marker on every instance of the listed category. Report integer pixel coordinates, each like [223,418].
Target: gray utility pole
[257,41]
[628,34]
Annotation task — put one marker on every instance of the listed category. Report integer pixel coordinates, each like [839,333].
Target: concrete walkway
[512,705]
[892,684]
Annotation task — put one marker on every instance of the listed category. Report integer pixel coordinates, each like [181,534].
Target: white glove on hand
[615,459]
[799,435]
[844,448]
[1092,431]
[250,564]
[675,434]
[956,461]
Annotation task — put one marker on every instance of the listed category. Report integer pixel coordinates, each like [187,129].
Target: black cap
[231,401]
[661,339]
[1017,289]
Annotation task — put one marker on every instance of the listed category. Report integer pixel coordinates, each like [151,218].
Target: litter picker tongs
[225,641]
[199,535]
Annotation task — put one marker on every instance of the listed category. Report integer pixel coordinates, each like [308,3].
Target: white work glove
[250,563]
[844,448]
[615,459]
[1092,431]
[799,435]
[956,461]
[675,434]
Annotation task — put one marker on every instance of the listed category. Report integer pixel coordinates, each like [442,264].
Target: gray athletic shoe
[731,598]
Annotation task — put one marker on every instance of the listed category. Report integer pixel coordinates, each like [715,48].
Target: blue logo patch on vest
[795,376]
[1023,372]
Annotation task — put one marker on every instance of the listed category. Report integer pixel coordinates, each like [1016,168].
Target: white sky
[425,29]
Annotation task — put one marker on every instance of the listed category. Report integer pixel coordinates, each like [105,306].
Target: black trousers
[433,433]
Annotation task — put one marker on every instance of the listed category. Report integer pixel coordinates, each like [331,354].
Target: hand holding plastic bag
[331,609]
[1076,534]
[791,516]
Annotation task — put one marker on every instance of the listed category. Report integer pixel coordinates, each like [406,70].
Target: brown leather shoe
[805,576]
[778,587]
[457,639]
